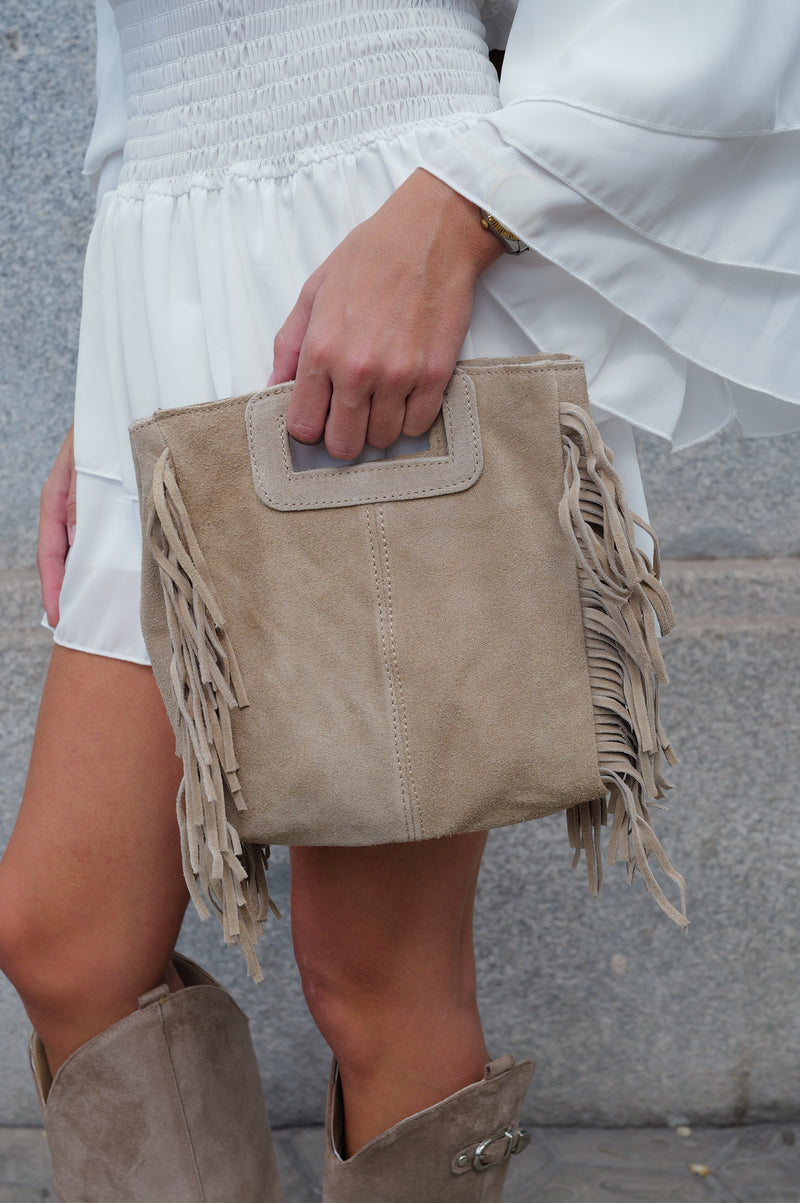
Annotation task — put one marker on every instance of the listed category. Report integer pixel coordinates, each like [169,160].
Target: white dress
[646,152]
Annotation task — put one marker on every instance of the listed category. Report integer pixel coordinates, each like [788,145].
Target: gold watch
[511,241]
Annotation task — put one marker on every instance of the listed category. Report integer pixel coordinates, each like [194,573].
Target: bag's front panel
[489,627]
[414,658]
[316,746]
[413,667]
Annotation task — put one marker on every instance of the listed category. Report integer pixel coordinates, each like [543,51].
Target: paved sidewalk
[755,1164]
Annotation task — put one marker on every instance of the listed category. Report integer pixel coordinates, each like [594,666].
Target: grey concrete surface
[629,1021]
[46,108]
[759,1164]
[727,498]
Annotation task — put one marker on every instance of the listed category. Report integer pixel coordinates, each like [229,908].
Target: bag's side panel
[489,629]
[307,630]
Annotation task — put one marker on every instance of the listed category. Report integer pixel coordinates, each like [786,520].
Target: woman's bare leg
[91,888]
[383,941]
[92,897]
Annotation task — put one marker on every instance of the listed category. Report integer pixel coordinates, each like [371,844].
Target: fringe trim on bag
[622,597]
[207,686]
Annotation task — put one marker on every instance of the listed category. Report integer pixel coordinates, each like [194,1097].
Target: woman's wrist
[456,221]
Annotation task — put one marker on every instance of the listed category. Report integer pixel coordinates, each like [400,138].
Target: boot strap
[492,1150]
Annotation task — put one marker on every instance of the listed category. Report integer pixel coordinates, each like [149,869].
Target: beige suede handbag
[398,650]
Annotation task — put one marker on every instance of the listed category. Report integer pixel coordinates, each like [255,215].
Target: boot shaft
[166,1104]
[455,1152]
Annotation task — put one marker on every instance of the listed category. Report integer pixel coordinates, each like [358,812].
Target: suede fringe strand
[207,685]
[622,597]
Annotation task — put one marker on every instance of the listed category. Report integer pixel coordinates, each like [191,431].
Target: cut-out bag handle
[453,462]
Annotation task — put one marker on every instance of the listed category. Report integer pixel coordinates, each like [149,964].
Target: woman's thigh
[91,886]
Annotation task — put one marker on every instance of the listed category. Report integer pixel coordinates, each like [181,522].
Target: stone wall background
[630,1022]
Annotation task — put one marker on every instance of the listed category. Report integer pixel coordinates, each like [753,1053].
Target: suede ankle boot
[165,1105]
[454,1152]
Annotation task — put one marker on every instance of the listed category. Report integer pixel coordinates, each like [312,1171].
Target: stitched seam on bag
[382,466]
[287,466]
[389,678]
[398,677]
[169,415]
[395,463]
[527,368]
[374,499]
[561,453]
[209,406]
[590,700]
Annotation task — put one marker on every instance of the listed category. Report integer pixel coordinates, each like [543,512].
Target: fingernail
[71,528]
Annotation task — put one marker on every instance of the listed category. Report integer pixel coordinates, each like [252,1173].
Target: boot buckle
[478,1157]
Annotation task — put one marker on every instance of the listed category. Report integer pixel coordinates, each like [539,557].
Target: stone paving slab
[755,1164]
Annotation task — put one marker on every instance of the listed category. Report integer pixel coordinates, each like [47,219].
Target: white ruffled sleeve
[103,161]
[649,156]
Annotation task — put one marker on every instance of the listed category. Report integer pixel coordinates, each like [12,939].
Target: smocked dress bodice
[647,153]
[213,87]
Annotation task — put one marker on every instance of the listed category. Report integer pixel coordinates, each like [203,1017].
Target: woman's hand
[376,331]
[56,526]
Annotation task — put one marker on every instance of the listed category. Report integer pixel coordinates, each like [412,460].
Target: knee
[332,989]
[23,934]
[350,1005]
[31,950]
[51,959]
[381,945]
[367,1002]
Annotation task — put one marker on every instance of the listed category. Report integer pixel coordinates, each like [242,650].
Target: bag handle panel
[452,463]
